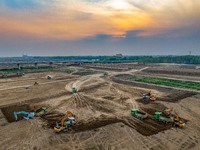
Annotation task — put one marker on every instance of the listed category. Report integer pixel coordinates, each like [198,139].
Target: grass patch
[84,72]
[163,81]
[68,71]
[27,69]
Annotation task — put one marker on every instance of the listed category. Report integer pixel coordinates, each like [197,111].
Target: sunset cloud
[74,20]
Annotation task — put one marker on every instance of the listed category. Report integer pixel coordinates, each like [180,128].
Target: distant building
[197,67]
[119,55]
[25,56]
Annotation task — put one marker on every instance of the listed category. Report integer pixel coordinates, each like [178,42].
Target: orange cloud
[77,20]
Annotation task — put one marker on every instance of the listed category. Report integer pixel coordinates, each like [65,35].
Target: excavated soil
[103,121]
[172,95]
[177,71]
[9,110]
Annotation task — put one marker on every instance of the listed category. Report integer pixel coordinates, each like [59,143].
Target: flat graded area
[102,107]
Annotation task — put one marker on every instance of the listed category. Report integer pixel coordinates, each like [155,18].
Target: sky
[99,27]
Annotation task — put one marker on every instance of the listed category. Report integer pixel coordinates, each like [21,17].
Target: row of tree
[156,59]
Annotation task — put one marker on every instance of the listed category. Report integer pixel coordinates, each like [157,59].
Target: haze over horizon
[99,27]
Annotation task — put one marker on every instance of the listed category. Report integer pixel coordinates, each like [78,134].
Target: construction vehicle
[67,121]
[26,115]
[49,77]
[169,117]
[36,83]
[178,122]
[168,111]
[138,114]
[41,112]
[30,115]
[148,97]
[74,90]
[158,116]
[105,74]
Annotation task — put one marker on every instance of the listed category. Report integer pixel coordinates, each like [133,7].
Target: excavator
[66,121]
[168,111]
[26,115]
[148,97]
[30,115]
[178,122]
[176,119]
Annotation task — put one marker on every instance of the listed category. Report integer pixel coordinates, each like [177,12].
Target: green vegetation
[27,69]
[184,59]
[34,69]
[165,82]
[84,72]
[68,71]
[187,59]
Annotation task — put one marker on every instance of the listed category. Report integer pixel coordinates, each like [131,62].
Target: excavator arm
[26,115]
[68,114]
[19,113]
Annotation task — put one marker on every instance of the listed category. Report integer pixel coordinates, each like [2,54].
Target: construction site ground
[102,107]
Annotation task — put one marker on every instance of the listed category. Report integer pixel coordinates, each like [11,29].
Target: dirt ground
[102,108]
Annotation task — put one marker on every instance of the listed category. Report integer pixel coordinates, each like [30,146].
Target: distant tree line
[156,59]
[187,59]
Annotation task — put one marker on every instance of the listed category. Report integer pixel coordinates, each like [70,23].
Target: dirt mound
[173,95]
[94,123]
[176,96]
[52,118]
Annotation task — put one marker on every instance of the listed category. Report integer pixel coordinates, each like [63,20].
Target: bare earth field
[102,107]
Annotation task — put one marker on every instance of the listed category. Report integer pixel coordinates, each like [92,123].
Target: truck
[138,114]
[158,116]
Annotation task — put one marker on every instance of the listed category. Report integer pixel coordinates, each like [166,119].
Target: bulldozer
[74,90]
[67,121]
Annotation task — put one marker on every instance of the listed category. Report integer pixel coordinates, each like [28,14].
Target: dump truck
[158,116]
[67,121]
[138,114]
[173,119]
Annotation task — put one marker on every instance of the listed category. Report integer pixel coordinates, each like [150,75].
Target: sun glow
[120,4]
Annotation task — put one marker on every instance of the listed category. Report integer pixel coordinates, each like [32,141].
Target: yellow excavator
[65,122]
[178,122]
[168,111]
[176,119]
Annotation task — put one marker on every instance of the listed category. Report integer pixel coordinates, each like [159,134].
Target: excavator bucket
[57,130]
[152,98]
